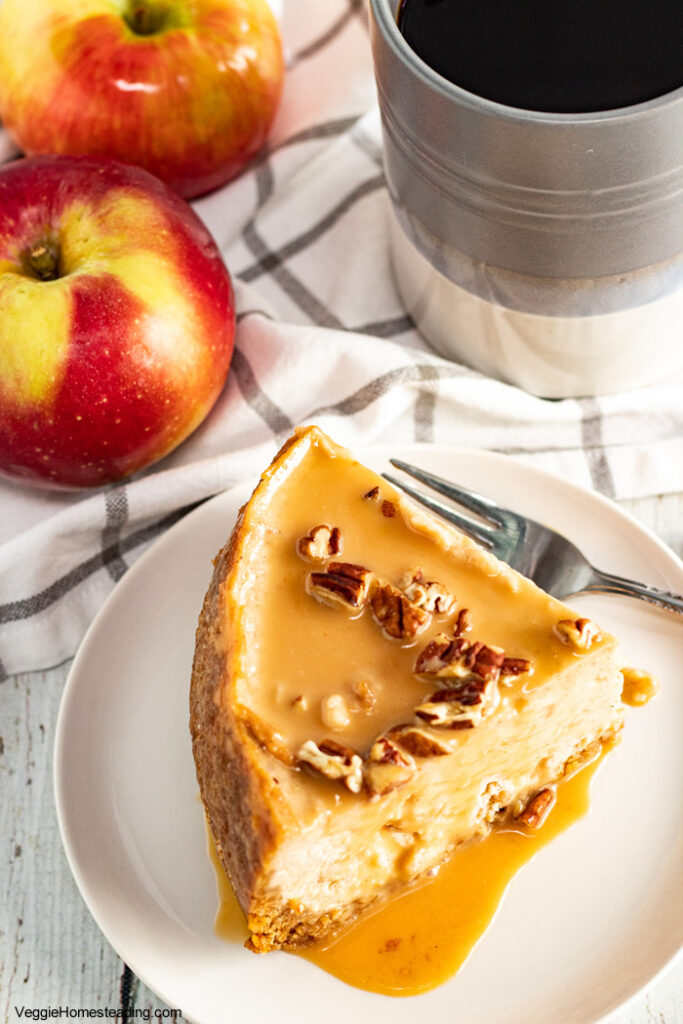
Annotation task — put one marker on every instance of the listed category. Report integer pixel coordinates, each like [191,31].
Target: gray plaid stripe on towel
[322,337]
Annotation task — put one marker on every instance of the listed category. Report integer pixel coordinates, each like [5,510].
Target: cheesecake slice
[370,690]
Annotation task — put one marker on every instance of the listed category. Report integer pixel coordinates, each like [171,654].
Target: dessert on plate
[371,690]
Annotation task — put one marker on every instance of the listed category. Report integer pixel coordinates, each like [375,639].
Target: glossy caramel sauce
[230,924]
[639,687]
[422,938]
[296,656]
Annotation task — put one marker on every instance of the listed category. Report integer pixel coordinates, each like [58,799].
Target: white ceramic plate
[594,917]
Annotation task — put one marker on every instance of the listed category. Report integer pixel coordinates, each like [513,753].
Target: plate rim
[367,454]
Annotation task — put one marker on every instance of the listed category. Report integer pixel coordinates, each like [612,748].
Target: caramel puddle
[422,938]
[229,924]
[639,687]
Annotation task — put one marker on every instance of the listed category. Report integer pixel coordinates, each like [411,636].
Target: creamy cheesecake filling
[371,847]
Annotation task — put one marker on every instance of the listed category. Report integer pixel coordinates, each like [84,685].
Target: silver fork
[546,557]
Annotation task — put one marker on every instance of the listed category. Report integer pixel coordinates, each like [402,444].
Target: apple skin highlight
[115,358]
[191,100]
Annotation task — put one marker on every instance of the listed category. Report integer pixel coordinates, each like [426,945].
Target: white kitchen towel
[322,337]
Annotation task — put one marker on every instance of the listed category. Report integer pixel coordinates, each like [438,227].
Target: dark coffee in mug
[561,56]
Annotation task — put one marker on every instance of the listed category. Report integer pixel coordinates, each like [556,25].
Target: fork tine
[483,506]
[477,531]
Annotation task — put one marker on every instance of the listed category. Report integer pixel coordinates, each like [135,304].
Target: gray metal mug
[545,249]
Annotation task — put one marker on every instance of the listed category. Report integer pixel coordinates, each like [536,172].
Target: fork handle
[607,583]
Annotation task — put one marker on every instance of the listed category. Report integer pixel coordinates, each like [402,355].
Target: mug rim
[386,21]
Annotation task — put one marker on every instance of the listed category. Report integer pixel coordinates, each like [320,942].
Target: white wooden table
[51,951]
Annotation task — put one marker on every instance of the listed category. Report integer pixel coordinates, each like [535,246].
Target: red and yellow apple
[187,90]
[116,320]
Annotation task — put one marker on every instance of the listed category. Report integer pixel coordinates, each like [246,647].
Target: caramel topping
[639,687]
[310,649]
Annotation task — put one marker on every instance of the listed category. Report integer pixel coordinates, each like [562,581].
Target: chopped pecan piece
[463,623]
[397,616]
[462,706]
[373,494]
[456,658]
[419,742]
[388,509]
[387,767]
[580,633]
[515,666]
[365,695]
[438,654]
[428,594]
[335,713]
[320,543]
[350,570]
[538,809]
[343,584]
[485,661]
[334,761]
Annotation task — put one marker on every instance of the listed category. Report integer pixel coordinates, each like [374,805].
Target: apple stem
[43,261]
[143,18]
